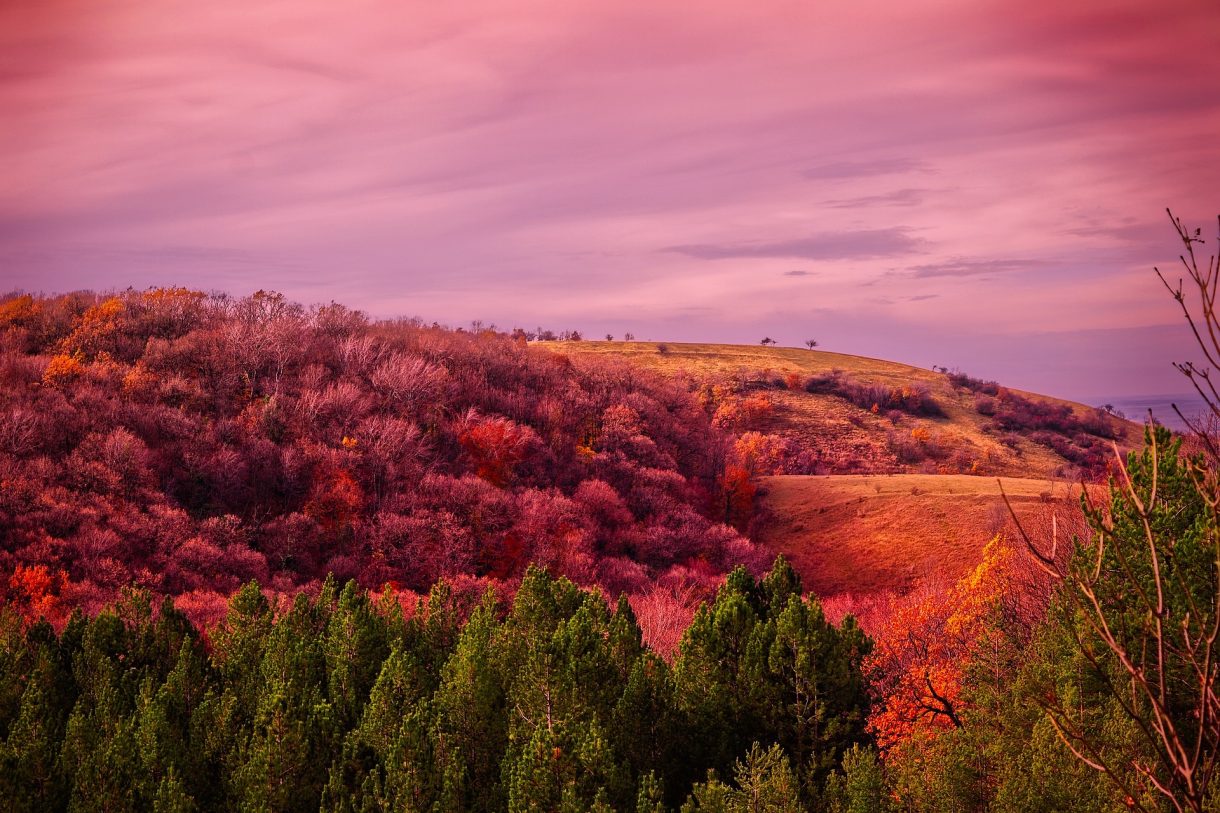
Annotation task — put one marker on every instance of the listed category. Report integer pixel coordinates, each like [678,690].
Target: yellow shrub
[63,367]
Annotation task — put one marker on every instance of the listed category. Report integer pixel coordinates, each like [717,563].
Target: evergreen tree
[470,729]
[764,783]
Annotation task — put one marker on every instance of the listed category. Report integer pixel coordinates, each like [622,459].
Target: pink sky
[961,183]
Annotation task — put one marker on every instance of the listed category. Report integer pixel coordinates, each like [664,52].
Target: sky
[977,184]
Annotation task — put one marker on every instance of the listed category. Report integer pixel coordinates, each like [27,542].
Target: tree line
[347,702]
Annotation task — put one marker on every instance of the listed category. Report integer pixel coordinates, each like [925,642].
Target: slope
[836,436]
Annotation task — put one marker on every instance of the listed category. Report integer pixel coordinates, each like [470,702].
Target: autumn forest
[259,556]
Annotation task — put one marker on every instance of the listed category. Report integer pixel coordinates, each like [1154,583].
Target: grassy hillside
[844,438]
[869,535]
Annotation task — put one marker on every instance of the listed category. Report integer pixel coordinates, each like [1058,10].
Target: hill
[869,501]
[189,443]
[844,414]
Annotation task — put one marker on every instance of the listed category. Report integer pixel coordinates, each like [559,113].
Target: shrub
[913,399]
[959,379]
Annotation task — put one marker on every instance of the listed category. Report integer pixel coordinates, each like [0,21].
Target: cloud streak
[974,268]
[849,245]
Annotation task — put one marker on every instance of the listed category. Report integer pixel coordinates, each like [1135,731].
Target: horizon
[989,197]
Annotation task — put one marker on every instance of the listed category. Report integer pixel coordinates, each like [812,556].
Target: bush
[913,399]
[959,379]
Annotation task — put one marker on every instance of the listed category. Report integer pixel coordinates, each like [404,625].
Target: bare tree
[811,343]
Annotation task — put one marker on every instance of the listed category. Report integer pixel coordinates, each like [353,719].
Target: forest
[188,444]
[264,557]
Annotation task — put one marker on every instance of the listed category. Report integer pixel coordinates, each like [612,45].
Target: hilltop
[954,435]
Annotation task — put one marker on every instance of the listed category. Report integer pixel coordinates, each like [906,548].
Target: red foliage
[926,645]
[664,614]
[34,592]
[495,446]
[335,500]
[189,442]
[737,490]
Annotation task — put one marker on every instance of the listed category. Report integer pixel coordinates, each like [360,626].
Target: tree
[764,784]
[811,343]
[766,340]
[926,646]
[495,445]
[1141,601]
[1140,613]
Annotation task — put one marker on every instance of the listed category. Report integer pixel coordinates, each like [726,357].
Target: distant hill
[1024,434]
[188,443]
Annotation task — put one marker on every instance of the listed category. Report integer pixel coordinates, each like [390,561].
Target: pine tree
[355,648]
[470,728]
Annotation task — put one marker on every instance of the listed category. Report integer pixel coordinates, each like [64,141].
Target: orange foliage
[727,415]
[139,381]
[793,381]
[756,408]
[709,396]
[754,454]
[96,324]
[178,297]
[19,310]
[35,592]
[733,413]
[927,644]
[63,367]
[758,454]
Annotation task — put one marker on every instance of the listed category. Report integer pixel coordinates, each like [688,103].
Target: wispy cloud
[841,170]
[974,268]
[529,162]
[847,245]
[899,197]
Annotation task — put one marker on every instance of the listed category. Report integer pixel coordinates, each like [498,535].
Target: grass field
[866,535]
